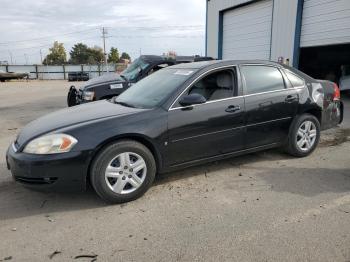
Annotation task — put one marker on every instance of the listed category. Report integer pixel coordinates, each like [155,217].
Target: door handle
[232,109]
[290,99]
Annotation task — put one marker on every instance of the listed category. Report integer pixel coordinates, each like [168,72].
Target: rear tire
[123,171]
[304,135]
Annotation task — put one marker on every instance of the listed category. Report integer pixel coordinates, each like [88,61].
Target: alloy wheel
[306,136]
[125,173]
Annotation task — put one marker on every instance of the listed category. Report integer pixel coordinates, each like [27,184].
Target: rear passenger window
[260,79]
[295,80]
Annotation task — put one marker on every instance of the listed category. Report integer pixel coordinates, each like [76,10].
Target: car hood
[106,78]
[73,116]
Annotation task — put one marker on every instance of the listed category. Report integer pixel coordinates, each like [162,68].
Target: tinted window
[295,80]
[215,86]
[260,79]
[154,89]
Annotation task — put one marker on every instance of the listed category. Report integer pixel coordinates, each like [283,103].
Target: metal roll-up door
[247,31]
[325,22]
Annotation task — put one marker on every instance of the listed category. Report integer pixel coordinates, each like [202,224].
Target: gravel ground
[265,206]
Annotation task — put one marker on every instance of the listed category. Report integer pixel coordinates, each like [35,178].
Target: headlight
[50,144]
[88,95]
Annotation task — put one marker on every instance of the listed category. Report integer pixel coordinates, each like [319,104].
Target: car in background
[11,75]
[178,117]
[344,81]
[113,84]
[78,76]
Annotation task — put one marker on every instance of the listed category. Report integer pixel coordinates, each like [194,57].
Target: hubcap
[306,136]
[126,173]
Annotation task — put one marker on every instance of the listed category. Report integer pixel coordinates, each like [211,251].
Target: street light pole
[11,57]
[41,57]
[26,58]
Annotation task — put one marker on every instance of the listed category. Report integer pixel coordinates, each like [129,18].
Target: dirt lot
[261,207]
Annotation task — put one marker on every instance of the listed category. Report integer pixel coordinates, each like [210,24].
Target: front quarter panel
[150,125]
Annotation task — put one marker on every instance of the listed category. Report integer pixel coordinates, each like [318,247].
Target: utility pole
[41,57]
[11,57]
[104,36]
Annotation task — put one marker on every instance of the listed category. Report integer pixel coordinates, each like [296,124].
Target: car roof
[200,65]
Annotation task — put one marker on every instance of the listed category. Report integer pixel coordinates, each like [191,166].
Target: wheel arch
[316,112]
[142,139]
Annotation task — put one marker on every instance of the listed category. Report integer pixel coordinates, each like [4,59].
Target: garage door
[325,22]
[247,31]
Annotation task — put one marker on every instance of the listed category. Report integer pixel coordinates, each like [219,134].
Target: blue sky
[134,26]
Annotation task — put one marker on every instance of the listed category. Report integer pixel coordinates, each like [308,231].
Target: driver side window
[215,86]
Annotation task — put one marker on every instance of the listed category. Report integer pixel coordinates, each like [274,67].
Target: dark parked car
[180,116]
[78,76]
[11,75]
[113,84]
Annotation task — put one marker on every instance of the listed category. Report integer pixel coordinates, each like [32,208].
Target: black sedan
[180,116]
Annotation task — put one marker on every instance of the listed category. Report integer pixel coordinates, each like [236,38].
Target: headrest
[224,80]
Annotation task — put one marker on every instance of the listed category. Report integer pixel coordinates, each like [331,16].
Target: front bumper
[75,97]
[67,171]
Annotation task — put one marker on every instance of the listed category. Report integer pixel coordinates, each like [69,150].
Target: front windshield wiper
[123,104]
[124,77]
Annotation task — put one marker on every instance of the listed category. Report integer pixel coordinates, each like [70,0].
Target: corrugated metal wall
[283,27]
[325,22]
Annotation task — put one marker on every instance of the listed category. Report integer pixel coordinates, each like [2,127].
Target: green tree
[57,55]
[125,56]
[82,54]
[96,55]
[113,56]
[79,54]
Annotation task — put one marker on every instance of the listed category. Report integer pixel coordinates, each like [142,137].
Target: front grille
[36,181]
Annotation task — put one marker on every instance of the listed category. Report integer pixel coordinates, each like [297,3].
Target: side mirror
[192,99]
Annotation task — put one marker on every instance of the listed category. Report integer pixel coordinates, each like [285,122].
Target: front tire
[304,135]
[123,171]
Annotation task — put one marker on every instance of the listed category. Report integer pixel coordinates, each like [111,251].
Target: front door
[209,129]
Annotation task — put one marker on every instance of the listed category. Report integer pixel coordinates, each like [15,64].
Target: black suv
[113,84]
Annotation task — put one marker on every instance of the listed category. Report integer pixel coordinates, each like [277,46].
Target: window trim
[287,71]
[171,108]
[245,91]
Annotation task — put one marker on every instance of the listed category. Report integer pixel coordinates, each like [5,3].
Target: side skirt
[218,157]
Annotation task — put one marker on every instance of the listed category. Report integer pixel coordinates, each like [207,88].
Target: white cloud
[154,26]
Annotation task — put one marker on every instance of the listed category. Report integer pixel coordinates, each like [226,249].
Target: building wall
[283,28]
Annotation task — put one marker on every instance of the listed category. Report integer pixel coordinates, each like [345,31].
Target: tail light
[336,94]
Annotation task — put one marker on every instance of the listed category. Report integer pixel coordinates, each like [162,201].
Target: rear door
[270,104]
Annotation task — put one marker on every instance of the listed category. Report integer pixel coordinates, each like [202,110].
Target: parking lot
[265,206]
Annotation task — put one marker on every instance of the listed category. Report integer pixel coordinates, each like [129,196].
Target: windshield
[154,89]
[134,69]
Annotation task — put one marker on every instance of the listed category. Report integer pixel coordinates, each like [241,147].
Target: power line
[47,45]
[156,37]
[45,37]
[96,28]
